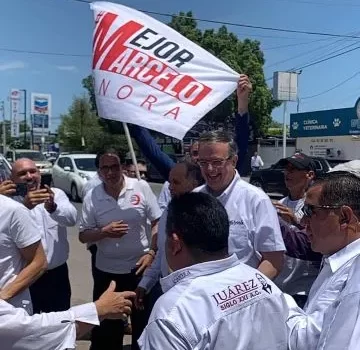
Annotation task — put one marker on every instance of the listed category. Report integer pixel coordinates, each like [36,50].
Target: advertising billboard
[41,111]
[15,97]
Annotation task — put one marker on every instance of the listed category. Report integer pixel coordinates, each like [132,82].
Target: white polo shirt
[220,305]
[254,223]
[53,228]
[50,331]
[136,204]
[164,196]
[17,231]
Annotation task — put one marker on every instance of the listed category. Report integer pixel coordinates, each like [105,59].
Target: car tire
[74,193]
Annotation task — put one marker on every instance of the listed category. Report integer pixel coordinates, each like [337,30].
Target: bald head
[24,170]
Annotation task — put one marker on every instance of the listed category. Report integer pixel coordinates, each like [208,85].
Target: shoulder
[250,191]
[58,191]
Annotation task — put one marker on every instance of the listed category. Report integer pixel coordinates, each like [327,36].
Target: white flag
[148,74]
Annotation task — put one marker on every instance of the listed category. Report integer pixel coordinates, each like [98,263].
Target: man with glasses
[255,234]
[331,216]
[163,163]
[114,216]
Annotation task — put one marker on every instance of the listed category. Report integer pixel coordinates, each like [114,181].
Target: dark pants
[52,291]
[109,335]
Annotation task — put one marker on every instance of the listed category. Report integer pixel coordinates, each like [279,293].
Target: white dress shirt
[341,327]
[297,276]
[164,196]
[217,305]
[256,161]
[306,325]
[159,267]
[254,223]
[17,231]
[53,228]
[46,331]
[136,204]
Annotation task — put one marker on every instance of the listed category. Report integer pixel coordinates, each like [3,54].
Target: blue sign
[333,122]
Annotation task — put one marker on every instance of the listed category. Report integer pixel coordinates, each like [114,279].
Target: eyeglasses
[308,209]
[215,163]
[113,168]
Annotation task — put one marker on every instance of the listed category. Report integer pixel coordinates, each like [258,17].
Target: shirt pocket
[239,242]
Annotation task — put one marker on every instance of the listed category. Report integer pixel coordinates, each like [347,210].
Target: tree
[82,124]
[243,56]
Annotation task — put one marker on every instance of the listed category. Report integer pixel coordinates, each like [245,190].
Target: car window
[85,164]
[67,162]
[60,162]
[4,170]
[34,156]
[318,165]
[9,155]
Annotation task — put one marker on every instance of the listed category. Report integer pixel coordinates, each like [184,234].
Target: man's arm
[271,263]
[36,265]
[59,330]
[151,150]
[242,119]
[61,210]
[268,239]
[297,244]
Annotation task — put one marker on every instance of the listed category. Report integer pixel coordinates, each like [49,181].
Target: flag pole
[131,149]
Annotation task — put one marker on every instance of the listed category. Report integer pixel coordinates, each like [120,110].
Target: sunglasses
[309,209]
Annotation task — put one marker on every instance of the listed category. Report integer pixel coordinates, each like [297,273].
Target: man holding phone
[53,213]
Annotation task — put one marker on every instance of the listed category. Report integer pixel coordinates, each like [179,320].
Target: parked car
[5,169]
[271,180]
[72,171]
[44,166]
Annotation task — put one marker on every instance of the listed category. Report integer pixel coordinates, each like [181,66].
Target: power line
[334,35]
[332,88]
[319,61]
[44,52]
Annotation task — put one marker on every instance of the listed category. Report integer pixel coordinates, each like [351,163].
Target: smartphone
[21,189]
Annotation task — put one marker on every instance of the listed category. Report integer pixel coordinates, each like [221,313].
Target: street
[80,273]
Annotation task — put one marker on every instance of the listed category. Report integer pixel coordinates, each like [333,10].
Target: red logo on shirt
[135,199]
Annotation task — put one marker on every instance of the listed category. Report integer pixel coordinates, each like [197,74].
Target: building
[332,134]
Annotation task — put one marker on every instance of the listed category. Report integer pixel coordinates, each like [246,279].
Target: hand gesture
[243,92]
[143,263]
[33,198]
[286,213]
[114,305]
[50,204]
[7,188]
[139,299]
[115,229]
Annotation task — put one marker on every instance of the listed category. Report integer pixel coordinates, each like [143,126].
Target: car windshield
[85,164]
[35,156]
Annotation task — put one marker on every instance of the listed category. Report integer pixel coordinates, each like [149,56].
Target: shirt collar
[202,269]
[102,195]
[341,257]
[229,188]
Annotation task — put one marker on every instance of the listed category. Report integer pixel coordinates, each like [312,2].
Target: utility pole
[3,126]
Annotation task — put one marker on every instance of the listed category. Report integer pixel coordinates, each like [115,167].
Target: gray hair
[221,136]
[340,188]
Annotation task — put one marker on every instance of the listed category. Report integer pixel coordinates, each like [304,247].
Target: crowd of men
[212,263]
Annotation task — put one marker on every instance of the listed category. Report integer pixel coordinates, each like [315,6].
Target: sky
[65,27]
